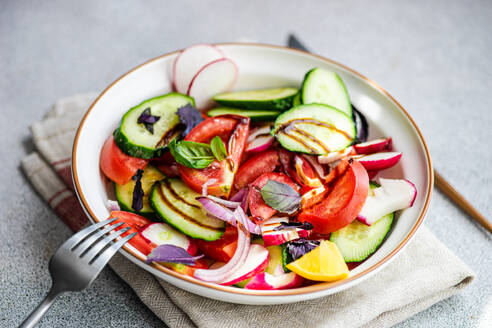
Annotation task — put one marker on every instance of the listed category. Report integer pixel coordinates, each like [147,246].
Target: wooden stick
[459,200]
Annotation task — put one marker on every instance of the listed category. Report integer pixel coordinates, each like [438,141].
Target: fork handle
[42,308]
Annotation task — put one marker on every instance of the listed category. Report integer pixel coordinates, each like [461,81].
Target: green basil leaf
[191,154]
[281,196]
[218,148]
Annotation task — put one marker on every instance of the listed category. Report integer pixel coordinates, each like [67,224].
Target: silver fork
[78,262]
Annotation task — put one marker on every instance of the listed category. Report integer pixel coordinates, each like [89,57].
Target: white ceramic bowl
[260,66]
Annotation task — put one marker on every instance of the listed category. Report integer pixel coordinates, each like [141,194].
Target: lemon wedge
[324,263]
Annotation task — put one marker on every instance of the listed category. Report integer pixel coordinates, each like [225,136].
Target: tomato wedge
[118,166]
[348,186]
[221,249]
[259,209]
[136,223]
[264,162]
[233,130]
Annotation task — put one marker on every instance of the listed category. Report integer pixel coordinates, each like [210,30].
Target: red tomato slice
[221,249]
[234,131]
[118,166]
[264,162]
[259,209]
[348,187]
[136,223]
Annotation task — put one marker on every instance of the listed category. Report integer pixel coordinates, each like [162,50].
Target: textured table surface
[433,57]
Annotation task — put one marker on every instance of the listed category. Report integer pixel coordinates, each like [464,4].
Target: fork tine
[108,253]
[75,239]
[103,243]
[83,246]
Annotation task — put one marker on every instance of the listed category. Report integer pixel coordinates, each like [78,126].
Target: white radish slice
[190,61]
[161,233]
[266,281]
[380,161]
[261,143]
[272,237]
[372,146]
[393,195]
[213,78]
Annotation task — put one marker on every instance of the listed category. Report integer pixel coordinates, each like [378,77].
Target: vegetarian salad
[260,189]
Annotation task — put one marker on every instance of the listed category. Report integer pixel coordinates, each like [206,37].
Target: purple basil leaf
[298,248]
[281,196]
[189,117]
[294,225]
[138,194]
[173,254]
[148,120]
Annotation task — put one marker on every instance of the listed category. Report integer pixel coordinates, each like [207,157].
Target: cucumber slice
[286,257]
[135,140]
[124,193]
[265,99]
[254,115]
[297,100]
[325,87]
[357,241]
[175,204]
[314,129]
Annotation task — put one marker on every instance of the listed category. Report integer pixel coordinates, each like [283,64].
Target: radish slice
[373,146]
[237,260]
[190,61]
[259,131]
[379,161]
[161,233]
[261,143]
[335,156]
[393,195]
[256,261]
[266,281]
[272,237]
[213,78]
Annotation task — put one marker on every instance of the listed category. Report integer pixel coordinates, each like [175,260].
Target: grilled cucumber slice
[254,115]
[357,241]
[176,204]
[314,129]
[135,140]
[325,87]
[124,193]
[266,99]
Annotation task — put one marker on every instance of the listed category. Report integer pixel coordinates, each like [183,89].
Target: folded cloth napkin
[426,273]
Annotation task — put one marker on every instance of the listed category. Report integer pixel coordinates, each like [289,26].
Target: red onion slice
[243,244]
[239,196]
[216,210]
[225,202]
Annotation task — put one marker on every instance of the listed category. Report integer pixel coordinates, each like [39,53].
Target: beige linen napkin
[426,273]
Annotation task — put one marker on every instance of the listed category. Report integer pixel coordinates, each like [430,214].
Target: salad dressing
[179,212]
[290,126]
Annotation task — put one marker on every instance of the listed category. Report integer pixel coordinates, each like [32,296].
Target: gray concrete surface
[434,57]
